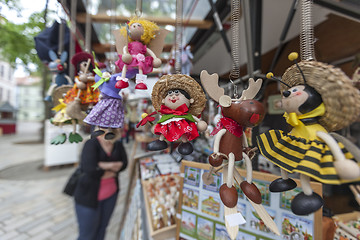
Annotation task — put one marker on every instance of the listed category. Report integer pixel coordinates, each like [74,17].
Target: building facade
[7,84]
[30,105]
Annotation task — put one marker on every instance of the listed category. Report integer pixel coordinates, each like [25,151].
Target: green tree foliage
[17,40]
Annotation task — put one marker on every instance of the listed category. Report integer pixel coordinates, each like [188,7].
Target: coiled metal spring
[235,45]
[178,35]
[307,51]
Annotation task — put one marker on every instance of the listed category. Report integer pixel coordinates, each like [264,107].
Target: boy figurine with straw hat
[180,100]
[317,98]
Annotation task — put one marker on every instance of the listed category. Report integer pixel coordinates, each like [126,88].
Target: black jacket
[86,191]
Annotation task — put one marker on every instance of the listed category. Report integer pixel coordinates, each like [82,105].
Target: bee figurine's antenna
[292,57]
[270,75]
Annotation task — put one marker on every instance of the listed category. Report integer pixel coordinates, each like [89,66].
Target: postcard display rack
[200,212]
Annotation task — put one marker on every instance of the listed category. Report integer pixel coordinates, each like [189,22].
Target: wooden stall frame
[317,187]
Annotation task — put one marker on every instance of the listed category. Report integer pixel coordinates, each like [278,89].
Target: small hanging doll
[78,99]
[317,98]
[186,57]
[82,93]
[57,66]
[139,45]
[180,100]
[108,113]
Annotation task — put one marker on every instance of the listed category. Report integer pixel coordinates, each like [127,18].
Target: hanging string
[235,45]
[178,35]
[138,10]
[73,8]
[307,51]
[61,29]
[112,42]
[88,27]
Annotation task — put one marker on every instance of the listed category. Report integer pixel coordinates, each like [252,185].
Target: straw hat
[340,97]
[179,81]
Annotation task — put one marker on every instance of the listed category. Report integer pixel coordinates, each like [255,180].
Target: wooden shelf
[161,21]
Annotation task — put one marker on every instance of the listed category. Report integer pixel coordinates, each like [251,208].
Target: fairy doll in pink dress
[138,45]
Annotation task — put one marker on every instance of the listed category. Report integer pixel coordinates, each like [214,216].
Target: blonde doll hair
[150,29]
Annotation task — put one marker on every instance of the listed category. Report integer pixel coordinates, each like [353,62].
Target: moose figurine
[231,144]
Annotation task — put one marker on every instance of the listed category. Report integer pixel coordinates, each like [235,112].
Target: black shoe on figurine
[157,145]
[185,148]
[97,133]
[109,135]
[305,204]
[282,185]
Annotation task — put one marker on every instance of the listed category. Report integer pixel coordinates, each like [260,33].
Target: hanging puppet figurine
[231,145]
[82,94]
[180,100]
[108,113]
[57,66]
[317,98]
[78,99]
[139,45]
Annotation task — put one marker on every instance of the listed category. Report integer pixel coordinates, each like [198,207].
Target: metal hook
[236,95]
[138,10]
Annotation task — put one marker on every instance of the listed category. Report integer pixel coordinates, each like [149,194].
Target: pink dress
[137,50]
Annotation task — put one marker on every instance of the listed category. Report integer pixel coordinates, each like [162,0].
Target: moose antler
[252,90]
[211,85]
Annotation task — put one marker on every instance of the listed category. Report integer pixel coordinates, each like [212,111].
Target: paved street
[37,209]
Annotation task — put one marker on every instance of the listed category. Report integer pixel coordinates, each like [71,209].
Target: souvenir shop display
[180,100]
[237,114]
[162,194]
[57,67]
[202,215]
[139,45]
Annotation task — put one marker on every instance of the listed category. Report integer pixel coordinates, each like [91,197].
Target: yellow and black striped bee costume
[301,150]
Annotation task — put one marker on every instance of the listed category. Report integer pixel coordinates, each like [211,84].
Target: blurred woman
[97,190]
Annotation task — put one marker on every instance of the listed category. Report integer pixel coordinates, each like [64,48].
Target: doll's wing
[351,147]
[120,41]
[157,44]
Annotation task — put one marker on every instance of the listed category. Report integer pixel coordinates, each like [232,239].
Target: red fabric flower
[146,119]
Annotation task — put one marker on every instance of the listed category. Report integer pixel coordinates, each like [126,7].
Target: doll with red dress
[180,100]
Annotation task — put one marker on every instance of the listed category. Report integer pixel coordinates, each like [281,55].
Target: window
[9,96]
[1,94]
[1,70]
[10,74]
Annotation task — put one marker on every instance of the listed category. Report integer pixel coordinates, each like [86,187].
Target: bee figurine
[317,99]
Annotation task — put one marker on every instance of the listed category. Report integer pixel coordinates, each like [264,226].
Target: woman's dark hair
[183,92]
[313,101]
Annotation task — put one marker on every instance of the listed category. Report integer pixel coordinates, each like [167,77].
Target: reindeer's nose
[286,93]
